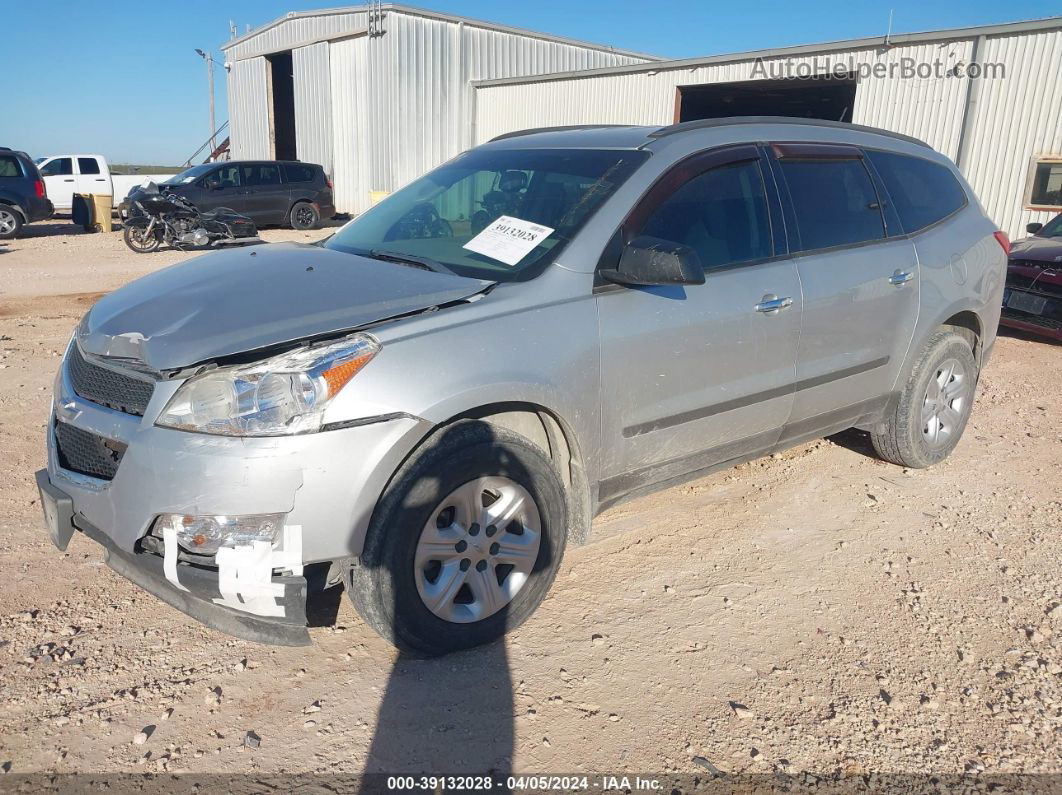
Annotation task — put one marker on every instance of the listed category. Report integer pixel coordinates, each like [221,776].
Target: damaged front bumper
[198,591]
[113,474]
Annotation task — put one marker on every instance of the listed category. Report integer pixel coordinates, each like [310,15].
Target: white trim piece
[245,573]
[169,558]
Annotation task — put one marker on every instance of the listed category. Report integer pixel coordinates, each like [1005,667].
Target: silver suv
[430,404]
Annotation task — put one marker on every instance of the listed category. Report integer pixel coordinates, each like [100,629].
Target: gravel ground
[816,611]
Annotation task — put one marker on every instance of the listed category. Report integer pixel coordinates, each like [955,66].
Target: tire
[10,222]
[137,243]
[390,585]
[934,405]
[304,215]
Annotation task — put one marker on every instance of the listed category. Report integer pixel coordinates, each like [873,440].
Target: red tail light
[1003,240]
[328,181]
[39,187]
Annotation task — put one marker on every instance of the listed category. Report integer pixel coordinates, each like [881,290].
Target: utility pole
[209,58]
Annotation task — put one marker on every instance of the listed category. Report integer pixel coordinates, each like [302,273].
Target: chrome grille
[108,387]
[87,453]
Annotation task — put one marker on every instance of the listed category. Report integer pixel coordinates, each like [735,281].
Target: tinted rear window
[9,166]
[88,165]
[922,192]
[834,201]
[261,174]
[296,173]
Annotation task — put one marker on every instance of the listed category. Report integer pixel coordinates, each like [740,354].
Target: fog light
[205,535]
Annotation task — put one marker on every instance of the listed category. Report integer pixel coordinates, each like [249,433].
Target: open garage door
[820,97]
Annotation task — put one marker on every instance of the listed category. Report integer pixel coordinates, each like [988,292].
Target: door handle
[68,180]
[771,304]
[901,277]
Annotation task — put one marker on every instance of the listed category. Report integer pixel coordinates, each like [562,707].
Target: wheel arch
[968,323]
[295,202]
[543,427]
[16,207]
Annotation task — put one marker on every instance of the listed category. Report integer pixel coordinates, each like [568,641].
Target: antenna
[232,29]
[888,33]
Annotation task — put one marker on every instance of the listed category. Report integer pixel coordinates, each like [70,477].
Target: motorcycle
[155,217]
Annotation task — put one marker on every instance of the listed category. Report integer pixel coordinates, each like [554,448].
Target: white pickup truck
[65,175]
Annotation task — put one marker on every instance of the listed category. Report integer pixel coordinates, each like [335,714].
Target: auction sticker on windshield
[508,239]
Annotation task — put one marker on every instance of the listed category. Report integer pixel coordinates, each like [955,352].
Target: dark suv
[23,197]
[266,191]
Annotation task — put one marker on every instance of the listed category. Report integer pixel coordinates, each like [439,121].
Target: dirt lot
[815,611]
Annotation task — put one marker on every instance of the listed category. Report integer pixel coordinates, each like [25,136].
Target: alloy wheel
[7,222]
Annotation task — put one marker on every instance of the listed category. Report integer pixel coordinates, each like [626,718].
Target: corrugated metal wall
[392,106]
[1016,117]
[350,102]
[313,104]
[418,95]
[911,106]
[249,109]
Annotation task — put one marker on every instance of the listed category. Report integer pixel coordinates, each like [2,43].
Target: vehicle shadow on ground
[449,715]
[51,229]
[855,440]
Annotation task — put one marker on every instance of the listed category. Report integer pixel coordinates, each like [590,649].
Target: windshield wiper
[425,263]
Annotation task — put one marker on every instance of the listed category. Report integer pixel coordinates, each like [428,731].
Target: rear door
[699,374]
[93,177]
[60,181]
[860,287]
[265,192]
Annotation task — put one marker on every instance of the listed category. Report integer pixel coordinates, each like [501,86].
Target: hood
[240,300]
[1038,249]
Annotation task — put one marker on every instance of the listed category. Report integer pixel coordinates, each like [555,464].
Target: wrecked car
[1032,300]
[431,404]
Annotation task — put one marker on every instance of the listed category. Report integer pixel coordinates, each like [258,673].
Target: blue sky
[122,78]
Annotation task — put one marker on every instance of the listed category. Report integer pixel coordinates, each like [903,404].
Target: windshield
[498,214]
[189,175]
[1052,228]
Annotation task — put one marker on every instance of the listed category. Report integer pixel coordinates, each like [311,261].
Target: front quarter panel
[531,342]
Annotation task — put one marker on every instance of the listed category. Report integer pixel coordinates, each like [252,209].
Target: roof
[619,136]
[420,12]
[892,40]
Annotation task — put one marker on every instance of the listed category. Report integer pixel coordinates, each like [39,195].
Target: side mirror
[1033,228]
[652,261]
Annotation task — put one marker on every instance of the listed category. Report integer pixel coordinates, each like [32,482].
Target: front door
[220,188]
[696,375]
[60,181]
[860,287]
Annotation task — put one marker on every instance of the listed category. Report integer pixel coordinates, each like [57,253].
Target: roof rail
[701,124]
[562,128]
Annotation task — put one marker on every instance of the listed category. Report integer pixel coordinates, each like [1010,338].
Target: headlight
[205,535]
[284,395]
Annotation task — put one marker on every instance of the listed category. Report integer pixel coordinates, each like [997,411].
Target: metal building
[378,94]
[989,97]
